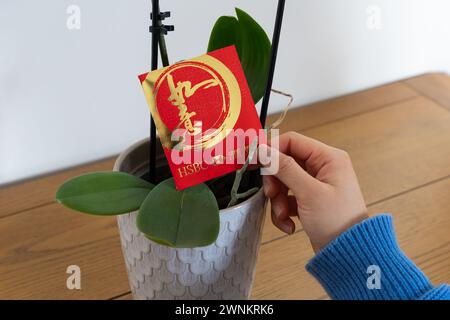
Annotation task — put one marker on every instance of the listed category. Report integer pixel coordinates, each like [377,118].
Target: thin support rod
[273,59]
[155,37]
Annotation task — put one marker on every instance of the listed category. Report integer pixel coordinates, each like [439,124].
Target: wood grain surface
[398,136]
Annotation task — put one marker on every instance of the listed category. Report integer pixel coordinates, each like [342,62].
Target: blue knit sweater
[365,262]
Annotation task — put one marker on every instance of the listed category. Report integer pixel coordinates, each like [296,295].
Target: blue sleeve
[365,262]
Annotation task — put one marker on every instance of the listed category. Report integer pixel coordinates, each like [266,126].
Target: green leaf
[224,33]
[104,193]
[184,219]
[252,44]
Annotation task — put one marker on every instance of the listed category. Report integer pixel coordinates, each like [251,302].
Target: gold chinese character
[183,90]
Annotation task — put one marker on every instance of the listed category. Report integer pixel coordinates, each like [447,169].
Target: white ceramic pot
[223,270]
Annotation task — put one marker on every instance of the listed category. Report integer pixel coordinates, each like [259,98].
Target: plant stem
[163,50]
[234,195]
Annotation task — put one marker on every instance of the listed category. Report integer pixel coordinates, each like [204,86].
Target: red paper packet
[205,103]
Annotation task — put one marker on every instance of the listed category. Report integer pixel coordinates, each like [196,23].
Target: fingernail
[288,228]
[266,186]
[292,229]
[264,154]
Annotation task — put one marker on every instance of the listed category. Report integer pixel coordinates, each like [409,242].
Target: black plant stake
[158,31]
[273,59]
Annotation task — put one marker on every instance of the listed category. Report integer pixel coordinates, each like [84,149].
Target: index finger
[302,148]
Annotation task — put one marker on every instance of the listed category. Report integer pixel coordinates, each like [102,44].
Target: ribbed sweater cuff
[346,266]
[441,292]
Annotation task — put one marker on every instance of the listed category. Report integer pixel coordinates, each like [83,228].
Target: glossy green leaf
[252,44]
[104,193]
[224,33]
[184,219]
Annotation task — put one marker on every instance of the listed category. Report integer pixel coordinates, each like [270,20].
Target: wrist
[319,244]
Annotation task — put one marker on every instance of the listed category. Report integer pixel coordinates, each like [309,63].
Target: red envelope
[204,114]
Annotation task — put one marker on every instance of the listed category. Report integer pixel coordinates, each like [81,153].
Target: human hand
[326,195]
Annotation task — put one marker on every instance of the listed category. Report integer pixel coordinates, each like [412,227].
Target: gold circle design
[234,95]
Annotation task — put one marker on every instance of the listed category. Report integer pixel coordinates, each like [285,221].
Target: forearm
[365,262]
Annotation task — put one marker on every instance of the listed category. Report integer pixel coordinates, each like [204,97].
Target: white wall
[72,96]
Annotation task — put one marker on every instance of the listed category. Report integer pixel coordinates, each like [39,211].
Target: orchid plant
[190,217]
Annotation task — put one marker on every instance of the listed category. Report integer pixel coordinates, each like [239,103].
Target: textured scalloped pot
[223,270]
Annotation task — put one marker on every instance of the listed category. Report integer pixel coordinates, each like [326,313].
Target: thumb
[286,169]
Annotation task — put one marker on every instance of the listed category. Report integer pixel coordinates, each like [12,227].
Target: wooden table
[398,136]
